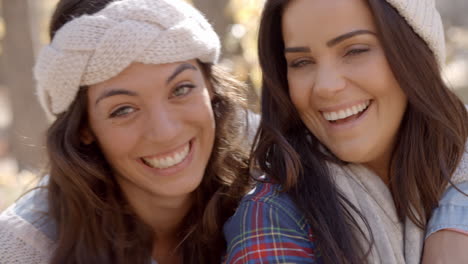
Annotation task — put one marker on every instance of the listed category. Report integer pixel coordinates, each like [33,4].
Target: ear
[86,136]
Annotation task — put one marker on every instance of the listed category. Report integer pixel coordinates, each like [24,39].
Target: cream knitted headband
[94,48]
[425,20]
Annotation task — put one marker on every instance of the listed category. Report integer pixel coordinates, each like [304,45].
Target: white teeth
[341,114]
[334,115]
[356,109]
[169,161]
[178,156]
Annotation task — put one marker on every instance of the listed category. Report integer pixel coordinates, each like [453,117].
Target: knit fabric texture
[94,48]
[425,20]
[21,242]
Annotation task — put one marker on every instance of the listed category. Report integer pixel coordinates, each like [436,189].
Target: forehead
[139,76]
[324,18]
[136,71]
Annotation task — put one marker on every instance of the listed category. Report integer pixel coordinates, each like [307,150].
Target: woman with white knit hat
[362,143]
[146,144]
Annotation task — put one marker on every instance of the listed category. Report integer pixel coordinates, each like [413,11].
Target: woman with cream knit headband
[362,144]
[146,144]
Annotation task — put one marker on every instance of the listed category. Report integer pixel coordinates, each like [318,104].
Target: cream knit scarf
[394,241]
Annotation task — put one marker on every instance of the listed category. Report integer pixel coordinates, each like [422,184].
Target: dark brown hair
[430,143]
[95,223]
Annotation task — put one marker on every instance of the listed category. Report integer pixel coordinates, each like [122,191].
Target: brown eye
[300,63]
[355,52]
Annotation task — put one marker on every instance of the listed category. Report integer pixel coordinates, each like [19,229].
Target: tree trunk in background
[29,123]
[215,12]
[453,12]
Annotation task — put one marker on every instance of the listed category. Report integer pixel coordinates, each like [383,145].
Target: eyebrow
[331,42]
[296,49]
[348,35]
[179,70]
[114,92]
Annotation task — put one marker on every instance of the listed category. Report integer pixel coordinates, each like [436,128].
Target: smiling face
[340,81]
[155,126]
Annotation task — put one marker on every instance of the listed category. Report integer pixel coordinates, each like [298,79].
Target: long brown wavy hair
[430,143]
[95,223]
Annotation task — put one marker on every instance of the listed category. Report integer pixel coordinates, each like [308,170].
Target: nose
[162,125]
[329,81]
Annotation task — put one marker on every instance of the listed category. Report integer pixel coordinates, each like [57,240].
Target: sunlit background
[23,29]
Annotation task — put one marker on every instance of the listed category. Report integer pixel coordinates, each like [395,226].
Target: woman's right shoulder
[267,200]
[266,194]
[268,227]
[24,236]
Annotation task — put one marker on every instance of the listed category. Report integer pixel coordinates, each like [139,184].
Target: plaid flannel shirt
[268,228]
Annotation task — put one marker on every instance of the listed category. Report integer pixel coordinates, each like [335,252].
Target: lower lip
[351,123]
[176,168]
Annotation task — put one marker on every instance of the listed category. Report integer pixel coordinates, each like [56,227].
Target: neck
[165,251]
[381,167]
[167,223]
[382,172]
[166,219]
[165,216]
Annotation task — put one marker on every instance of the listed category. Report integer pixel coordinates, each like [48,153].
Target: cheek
[202,111]
[107,139]
[300,91]
[392,107]
[203,120]
[376,75]
[210,122]
[302,97]
[386,88]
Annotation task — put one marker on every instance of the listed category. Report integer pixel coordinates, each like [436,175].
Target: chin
[351,156]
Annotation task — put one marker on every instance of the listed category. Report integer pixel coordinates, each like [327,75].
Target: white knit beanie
[425,20]
[94,48]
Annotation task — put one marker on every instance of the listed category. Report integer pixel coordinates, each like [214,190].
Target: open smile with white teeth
[170,160]
[345,113]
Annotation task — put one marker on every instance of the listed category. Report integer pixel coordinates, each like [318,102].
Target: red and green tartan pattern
[268,228]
